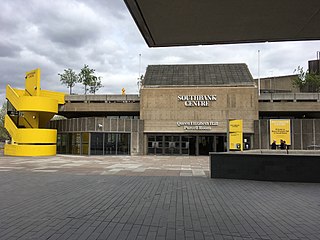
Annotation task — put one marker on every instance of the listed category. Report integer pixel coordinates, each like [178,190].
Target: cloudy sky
[57,34]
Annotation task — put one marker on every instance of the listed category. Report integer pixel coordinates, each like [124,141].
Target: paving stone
[78,201]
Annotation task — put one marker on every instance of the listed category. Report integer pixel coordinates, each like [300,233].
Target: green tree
[3,132]
[86,77]
[69,78]
[95,84]
[305,81]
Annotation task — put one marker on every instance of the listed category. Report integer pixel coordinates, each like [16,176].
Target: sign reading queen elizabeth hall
[197,100]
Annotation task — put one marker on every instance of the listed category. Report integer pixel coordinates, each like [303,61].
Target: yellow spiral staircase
[29,111]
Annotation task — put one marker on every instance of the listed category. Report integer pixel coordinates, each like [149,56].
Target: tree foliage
[305,81]
[89,80]
[69,78]
[86,76]
[95,84]
[3,132]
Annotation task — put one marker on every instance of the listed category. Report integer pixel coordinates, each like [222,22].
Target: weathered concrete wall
[100,105]
[305,134]
[278,84]
[161,109]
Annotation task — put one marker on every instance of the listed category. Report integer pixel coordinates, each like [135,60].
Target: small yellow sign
[235,135]
[280,130]
[235,125]
[33,83]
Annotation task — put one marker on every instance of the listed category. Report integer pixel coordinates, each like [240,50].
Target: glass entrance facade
[160,144]
[73,143]
[110,144]
[94,143]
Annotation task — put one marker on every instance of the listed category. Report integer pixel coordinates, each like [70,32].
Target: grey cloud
[54,35]
[8,49]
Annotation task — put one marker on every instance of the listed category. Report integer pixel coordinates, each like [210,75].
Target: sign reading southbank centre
[197,100]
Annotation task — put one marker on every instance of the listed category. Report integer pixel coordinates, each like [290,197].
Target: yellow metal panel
[42,136]
[30,135]
[31,119]
[29,150]
[19,92]
[31,103]
[33,83]
[12,96]
[38,104]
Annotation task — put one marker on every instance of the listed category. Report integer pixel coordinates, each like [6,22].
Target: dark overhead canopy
[199,22]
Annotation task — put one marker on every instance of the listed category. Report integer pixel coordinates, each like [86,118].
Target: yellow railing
[30,135]
[36,107]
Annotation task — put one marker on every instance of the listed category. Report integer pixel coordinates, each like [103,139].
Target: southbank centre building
[185,110]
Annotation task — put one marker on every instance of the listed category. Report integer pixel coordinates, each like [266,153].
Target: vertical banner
[280,130]
[235,135]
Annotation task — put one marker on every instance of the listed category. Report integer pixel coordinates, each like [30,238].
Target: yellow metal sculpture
[29,111]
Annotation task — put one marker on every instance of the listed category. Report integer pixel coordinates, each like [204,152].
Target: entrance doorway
[191,145]
[221,143]
[205,144]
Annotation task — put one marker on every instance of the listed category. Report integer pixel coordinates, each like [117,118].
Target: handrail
[290,96]
[12,96]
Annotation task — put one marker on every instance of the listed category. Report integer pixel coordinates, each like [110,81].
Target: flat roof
[165,23]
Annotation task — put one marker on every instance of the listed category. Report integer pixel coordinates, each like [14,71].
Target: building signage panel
[280,130]
[197,100]
[197,125]
[236,135]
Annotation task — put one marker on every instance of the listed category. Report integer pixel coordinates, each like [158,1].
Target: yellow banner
[280,130]
[235,135]
[235,125]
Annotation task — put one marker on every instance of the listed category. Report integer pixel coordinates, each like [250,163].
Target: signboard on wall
[280,130]
[197,100]
[197,125]
[235,135]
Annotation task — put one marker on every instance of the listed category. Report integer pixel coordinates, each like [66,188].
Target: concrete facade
[102,125]
[184,110]
[305,134]
[278,84]
[161,109]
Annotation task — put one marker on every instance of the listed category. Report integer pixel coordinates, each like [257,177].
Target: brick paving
[110,165]
[80,201]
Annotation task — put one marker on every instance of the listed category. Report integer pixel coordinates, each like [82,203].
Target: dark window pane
[96,144]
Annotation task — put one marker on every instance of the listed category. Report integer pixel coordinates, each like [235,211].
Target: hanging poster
[280,130]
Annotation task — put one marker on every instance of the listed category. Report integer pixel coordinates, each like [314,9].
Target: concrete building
[184,110]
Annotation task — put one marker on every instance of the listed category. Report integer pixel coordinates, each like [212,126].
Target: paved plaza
[147,197]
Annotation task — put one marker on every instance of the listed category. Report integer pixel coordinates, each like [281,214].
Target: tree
[306,81]
[86,77]
[3,132]
[95,84]
[69,78]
